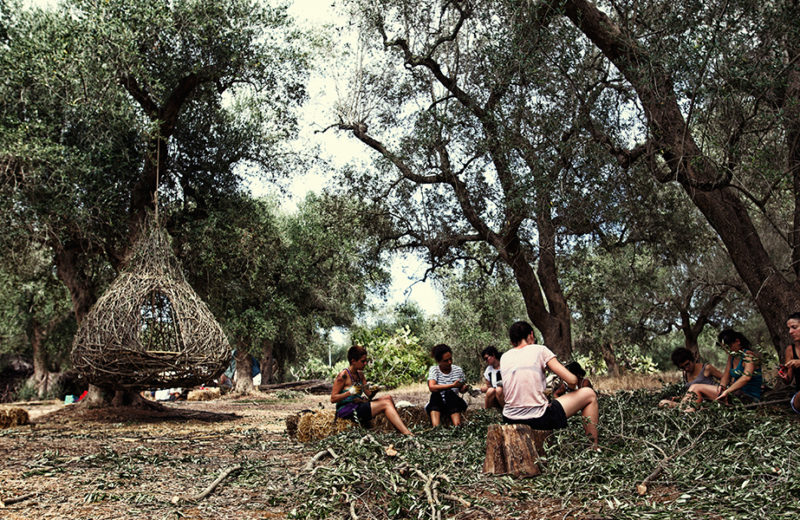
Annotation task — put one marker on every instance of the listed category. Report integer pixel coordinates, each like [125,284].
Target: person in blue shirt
[742,376]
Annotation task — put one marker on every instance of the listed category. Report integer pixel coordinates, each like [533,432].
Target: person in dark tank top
[789,371]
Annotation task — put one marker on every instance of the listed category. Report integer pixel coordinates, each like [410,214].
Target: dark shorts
[794,402]
[447,403]
[353,411]
[553,418]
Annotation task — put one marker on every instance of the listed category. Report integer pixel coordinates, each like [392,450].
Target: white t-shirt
[456,374]
[524,381]
[492,375]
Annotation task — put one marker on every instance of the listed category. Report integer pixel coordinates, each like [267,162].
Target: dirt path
[103,464]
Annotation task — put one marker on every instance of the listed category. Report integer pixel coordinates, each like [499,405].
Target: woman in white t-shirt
[492,379]
[524,384]
[445,381]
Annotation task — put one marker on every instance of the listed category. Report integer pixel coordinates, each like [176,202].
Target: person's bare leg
[386,406]
[699,392]
[501,401]
[490,398]
[583,400]
[455,418]
[436,418]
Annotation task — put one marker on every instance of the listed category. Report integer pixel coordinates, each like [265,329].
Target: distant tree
[105,101]
[35,311]
[276,281]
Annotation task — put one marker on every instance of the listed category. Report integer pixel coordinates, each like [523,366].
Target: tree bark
[514,449]
[702,181]
[607,351]
[243,382]
[42,377]
[267,361]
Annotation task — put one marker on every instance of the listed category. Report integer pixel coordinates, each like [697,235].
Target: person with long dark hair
[790,369]
[355,400]
[741,378]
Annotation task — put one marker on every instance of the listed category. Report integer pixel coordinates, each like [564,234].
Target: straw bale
[14,416]
[204,394]
[150,329]
[320,424]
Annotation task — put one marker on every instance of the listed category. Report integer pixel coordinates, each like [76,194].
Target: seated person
[742,372]
[354,399]
[577,369]
[790,370]
[524,385]
[445,381]
[693,373]
[492,381]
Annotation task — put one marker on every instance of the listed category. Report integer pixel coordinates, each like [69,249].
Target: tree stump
[514,449]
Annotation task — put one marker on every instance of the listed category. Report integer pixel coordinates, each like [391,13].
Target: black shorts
[446,402]
[353,411]
[553,418]
[364,414]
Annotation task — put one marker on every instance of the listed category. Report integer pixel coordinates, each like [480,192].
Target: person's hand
[794,363]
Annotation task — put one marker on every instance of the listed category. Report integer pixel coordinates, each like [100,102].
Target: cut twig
[764,403]
[16,500]
[207,491]
[642,488]
[316,458]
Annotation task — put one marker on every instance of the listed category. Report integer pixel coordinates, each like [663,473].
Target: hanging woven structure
[150,329]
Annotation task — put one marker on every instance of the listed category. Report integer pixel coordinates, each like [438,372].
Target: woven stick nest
[150,329]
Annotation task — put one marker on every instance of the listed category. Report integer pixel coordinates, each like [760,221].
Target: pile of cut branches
[720,461]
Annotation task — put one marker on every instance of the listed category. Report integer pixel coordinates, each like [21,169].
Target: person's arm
[338,385]
[561,371]
[485,385]
[365,389]
[791,364]
[748,369]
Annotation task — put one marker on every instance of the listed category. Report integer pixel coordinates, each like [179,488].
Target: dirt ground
[74,463]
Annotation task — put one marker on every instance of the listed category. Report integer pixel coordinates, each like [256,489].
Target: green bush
[397,358]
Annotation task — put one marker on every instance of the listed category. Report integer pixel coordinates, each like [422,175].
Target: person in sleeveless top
[355,400]
[742,372]
[791,360]
[693,373]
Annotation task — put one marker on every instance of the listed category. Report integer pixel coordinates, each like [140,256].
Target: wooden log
[312,386]
[514,449]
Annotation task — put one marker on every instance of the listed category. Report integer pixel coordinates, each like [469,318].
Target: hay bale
[320,424]
[15,416]
[203,394]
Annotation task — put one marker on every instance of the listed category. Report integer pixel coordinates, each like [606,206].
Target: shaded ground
[100,464]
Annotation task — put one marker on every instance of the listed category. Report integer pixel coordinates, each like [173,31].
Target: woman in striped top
[445,381]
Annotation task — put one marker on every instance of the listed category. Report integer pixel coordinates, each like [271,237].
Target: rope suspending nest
[150,329]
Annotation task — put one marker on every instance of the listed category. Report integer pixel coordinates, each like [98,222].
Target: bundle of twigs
[150,329]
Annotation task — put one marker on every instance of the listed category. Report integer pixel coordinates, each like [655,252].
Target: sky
[338,149]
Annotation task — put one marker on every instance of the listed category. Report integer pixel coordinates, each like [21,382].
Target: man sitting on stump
[523,368]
